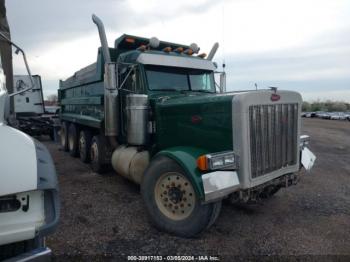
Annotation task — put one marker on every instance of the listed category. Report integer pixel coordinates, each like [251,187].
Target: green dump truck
[153,111]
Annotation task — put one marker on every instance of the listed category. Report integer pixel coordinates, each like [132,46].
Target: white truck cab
[29,204]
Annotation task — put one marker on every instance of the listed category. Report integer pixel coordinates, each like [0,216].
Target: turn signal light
[202,163]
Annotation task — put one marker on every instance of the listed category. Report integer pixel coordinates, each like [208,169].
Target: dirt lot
[103,217]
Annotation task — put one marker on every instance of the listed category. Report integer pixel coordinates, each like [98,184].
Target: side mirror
[223,82]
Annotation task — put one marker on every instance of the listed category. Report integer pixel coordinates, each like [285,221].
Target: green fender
[186,157]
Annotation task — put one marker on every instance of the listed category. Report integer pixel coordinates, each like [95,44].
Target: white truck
[29,204]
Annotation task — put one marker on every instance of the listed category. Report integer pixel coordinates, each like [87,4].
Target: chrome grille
[273,137]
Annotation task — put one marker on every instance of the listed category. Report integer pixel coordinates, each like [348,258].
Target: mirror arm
[25,62]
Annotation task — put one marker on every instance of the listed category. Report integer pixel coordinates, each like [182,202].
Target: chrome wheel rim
[174,196]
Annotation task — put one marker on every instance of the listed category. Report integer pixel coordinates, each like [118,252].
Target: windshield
[180,79]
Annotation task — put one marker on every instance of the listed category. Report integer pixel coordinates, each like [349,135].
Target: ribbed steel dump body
[273,137]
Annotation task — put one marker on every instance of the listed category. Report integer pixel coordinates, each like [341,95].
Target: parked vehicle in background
[32,115]
[29,205]
[325,115]
[347,115]
[338,116]
[309,114]
[52,110]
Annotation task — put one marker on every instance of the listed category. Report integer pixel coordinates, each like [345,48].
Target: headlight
[215,161]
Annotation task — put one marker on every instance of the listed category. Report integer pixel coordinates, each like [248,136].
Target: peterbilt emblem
[275,97]
[196,119]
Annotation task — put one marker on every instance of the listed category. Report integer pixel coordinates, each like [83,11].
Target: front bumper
[220,184]
[38,255]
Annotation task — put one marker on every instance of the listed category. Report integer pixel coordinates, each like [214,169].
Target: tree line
[327,106]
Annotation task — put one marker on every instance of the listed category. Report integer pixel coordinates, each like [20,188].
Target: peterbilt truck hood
[194,119]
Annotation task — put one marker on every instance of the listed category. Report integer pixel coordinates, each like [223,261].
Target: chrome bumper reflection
[219,184]
[38,255]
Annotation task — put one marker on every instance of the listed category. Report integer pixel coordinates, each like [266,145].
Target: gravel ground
[103,217]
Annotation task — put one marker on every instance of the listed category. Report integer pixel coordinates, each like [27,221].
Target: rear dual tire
[73,140]
[64,136]
[85,138]
[98,154]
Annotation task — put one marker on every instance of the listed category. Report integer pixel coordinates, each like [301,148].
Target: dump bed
[81,95]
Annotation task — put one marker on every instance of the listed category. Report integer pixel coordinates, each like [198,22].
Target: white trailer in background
[32,101]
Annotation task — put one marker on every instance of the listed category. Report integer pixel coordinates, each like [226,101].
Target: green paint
[201,120]
[186,157]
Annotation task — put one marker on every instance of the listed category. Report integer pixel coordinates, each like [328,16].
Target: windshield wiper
[203,91]
[168,89]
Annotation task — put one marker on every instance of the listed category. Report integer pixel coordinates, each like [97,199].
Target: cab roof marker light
[167,49]
[179,50]
[188,51]
[130,40]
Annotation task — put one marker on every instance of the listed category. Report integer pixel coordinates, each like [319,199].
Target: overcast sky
[301,45]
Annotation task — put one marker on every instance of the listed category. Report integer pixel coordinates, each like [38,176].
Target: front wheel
[171,201]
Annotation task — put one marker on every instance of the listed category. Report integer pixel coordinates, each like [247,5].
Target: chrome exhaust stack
[213,51]
[111,104]
[103,38]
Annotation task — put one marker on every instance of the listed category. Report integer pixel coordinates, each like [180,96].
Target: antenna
[223,37]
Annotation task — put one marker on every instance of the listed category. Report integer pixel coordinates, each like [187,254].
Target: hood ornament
[273,88]
[274,96]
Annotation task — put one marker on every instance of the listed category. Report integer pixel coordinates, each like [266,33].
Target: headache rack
[273,137]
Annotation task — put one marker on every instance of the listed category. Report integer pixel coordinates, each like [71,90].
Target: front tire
[171,202]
